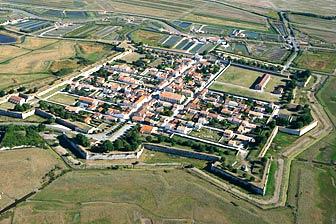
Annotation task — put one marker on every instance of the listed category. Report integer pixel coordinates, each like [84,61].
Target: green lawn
[283,140]
[244,92]
[208,134]
[159,157]
[246,78]
[63,99]
[239,76]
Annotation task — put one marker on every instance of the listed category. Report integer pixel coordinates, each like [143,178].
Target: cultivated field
[38,58]
[128,196]
[324,61]
[147,37]
[22,171]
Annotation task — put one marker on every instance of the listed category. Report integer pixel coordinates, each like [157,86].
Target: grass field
[244,92]
[147,37]
[63,99]
[282,140]
[170,196]
[159,157]
[22,171]
[247,78]
[207,134]
[324,61]
[38,58]
[312,193]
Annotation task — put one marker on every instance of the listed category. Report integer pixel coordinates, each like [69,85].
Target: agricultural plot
[39,58]
[328,36]
[324,61]
[214,30]
[32,25]
[147,37]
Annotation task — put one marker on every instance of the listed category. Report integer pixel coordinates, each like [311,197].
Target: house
[171,97]
[182,129]
[87,100]
[279,90]
[147,129]
[256,114]
[87,120]
[16,99]
[228,133]
[137,119]
[72,109]
[263,82]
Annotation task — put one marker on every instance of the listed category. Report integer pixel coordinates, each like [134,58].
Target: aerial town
[112,117]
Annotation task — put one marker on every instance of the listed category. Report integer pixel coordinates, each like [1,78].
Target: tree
[82,140]
[149,138]
[41,127]
[2,93]
[118,144]
[107,146]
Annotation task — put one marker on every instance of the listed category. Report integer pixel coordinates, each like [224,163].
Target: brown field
[221,21]
[318,7]
[22,171]
[227,13]
[39,60]
[43,57]
[326,36]
[11,51]
[127,196]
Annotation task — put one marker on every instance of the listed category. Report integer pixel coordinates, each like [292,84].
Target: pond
[4,39]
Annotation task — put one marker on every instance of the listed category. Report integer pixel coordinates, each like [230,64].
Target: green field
[246,78]
[208,134]
[129,196]
[324,61]
[283,140]
[147,37]
[244,92]
[63,99]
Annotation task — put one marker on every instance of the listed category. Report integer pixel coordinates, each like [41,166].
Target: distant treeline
[314,15]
